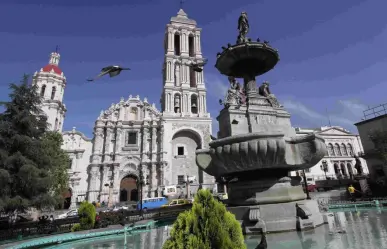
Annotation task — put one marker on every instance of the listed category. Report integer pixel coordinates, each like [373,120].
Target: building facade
[132,138]
[375,119]
[342,160]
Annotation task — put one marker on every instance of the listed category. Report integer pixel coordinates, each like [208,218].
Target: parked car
[177,202]
[68,214]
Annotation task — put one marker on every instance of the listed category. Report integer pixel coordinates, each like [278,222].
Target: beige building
[340,161]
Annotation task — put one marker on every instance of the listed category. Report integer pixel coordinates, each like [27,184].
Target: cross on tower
[181,3]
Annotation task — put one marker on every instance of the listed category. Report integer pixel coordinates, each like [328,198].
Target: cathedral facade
[132,138]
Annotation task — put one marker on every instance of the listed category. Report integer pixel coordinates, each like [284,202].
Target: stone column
[177,79]
[116,181]
[98,144]
[145,142]
[105,180]
[78,156]
[199,48]
[170,42]
[154,141]
[108,141]
[94,185]
[119,142]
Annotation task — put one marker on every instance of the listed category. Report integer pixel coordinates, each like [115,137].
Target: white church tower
[187,124]
[51,83]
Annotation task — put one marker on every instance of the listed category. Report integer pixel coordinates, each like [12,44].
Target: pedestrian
[352,191]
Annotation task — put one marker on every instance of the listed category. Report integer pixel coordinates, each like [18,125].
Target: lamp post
[140,184]
[110,198]
[306,185]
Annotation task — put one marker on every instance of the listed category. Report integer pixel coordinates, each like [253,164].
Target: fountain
[257,147]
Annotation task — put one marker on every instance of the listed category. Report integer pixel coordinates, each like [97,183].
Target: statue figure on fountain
[243,27]
[264,91]
[235,94]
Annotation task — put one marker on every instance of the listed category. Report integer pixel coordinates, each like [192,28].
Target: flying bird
[198,67]
[111,70]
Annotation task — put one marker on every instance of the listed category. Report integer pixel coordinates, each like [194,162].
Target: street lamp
[140,183]
[306,185]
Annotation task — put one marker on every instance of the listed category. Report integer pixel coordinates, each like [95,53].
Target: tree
[25,166]
[58,158]
[208,225]
[87,215]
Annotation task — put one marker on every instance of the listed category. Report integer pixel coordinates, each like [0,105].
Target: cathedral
[133,139]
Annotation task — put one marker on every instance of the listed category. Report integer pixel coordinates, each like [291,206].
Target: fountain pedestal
[257,147]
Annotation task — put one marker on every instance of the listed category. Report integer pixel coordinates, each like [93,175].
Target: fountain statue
[257,147]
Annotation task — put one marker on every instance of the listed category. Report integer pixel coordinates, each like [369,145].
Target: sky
[333,53]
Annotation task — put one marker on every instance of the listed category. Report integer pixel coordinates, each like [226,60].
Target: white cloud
[345,114]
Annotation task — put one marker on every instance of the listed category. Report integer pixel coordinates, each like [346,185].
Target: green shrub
[87,215]
[208,225]
[76,228]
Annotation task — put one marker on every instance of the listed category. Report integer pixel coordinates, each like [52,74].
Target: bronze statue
[243,27]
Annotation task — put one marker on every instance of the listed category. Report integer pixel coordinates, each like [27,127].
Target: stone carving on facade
[264,91]
[235,94]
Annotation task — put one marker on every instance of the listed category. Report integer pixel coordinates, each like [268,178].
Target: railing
[325,202]
[18,231]
[375,111]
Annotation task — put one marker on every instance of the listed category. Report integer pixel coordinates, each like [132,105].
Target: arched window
[43,91]
[337,150]
[192,77]
[53,92]
[191,45]
[343,150]
[177,103]
[194,104]
[330,150]
[56,124]
[350,149]
[177,44]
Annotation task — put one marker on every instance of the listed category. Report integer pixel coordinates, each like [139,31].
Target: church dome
[53,64]
[51,67]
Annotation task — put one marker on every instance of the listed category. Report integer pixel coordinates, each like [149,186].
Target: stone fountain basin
[255,151]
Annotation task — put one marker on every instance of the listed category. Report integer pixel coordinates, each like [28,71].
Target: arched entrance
[128,189]
[67,198]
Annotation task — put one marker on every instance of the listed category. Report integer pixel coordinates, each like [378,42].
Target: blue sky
[333,53]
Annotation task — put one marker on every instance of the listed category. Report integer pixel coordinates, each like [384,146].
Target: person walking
[352,191]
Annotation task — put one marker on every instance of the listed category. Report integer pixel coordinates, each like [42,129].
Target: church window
[337,150]
[350,149]
[191,47]
[177,103]
[180,150]
[132,138]
[343,150]
[192,77]
[42,91]
[56,124]
[194,104]
[180,179]
[177,44]
[53,92]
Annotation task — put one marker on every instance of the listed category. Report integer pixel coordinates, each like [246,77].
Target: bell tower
[184,92]
[51,83]
[187,124]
